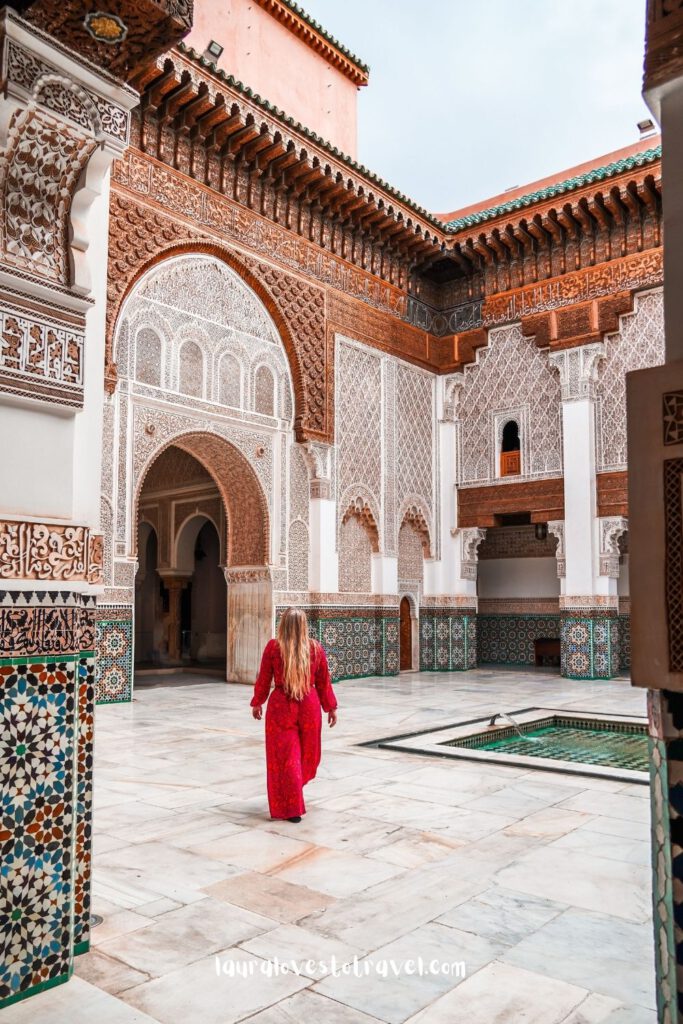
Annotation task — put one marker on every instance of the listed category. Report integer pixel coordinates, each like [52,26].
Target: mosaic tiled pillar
[590,644]
[84,791]
[114,645]
[665,713]
[448,640]
[46,690]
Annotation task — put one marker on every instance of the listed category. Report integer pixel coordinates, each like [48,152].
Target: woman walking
[298,666]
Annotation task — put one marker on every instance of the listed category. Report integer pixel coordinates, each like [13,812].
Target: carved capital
[318,460]
[470,539]
[578,369]
[453,386]
[556,528]
[612,530]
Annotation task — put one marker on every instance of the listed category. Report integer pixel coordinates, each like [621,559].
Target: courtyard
[538,882]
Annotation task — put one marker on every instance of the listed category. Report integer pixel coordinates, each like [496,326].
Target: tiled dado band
[359,640]
[114,646]
[509,639]
[47,666]
[448,639]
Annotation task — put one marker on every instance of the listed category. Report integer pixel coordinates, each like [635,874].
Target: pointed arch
[245,504]
[231,260]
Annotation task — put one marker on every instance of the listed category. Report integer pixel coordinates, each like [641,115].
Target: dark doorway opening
[406,635]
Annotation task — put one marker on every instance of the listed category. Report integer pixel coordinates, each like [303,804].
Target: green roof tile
[326,35]
[597,174]
[648,156]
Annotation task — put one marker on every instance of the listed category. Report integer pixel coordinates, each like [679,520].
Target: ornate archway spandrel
[141,237]
[301,308]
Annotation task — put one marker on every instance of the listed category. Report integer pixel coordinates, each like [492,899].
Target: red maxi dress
[293,729]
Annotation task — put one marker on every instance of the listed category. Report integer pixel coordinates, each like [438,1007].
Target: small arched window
[510,455]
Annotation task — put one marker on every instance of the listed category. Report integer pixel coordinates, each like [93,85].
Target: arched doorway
[406,635]
[204,367]
[202,501]
[203,611]
[148,598]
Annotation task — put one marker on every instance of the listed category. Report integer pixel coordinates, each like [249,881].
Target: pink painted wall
[280,67]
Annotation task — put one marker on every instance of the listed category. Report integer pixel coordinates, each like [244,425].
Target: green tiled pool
[611,745]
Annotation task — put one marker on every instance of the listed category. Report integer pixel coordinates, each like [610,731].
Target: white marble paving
[538,882]
[501,993]
[611,957]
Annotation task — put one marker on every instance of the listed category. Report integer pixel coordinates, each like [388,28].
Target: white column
[323,560]
[578,372]
[455,572]
[384,574]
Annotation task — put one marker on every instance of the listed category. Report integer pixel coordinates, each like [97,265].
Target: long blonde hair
[295,648]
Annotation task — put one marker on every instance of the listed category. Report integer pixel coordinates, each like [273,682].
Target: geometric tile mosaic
[448,640]
[509,639]
[114,659]
[590,646]
[665,715]
[625,644]
[662,882]
[84,799]
[358,642]
[39,730]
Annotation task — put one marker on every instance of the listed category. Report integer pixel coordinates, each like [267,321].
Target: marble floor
[414,889]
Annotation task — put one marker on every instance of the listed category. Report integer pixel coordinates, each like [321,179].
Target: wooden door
[406,637]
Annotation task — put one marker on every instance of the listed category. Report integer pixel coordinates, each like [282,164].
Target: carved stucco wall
[298,521]
[386,452]
[510,379]
[639,343]
[355,557]
[410,555]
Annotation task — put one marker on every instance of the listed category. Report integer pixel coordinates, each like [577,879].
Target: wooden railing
[510,463]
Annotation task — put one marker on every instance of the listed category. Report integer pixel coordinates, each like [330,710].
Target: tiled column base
[46,685]
[359,640]
[448,639]
[665,713]
[590,643]
[114,644]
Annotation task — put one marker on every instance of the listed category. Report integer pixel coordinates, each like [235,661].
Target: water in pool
[612,746]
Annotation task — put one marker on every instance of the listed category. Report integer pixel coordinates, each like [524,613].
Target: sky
[470,97]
